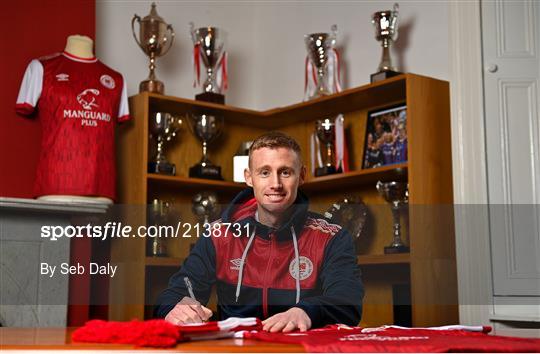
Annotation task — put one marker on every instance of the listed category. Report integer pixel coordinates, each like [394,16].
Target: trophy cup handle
[135,17]
[171,37]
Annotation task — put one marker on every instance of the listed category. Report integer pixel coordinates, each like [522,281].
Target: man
[290,267]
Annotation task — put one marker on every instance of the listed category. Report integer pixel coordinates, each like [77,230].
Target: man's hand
[188,310]
[288,321]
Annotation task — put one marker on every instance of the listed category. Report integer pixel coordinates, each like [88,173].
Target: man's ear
[247,177]
[303,172]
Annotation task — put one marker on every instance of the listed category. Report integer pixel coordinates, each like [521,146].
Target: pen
[189,288]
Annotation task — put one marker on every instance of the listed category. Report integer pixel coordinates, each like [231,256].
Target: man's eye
[265,173]
[286,173]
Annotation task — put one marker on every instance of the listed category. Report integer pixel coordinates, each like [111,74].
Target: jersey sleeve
[123,110]
[31,87]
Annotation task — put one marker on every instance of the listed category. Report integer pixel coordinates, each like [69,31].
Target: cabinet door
[511,71]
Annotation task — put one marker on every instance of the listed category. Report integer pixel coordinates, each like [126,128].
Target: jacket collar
[243,207]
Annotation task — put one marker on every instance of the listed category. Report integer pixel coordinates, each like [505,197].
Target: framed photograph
[386,137]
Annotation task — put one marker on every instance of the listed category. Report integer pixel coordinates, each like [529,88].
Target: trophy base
[162,168]
[155,86]
[383,75]
[396,249]
[211,97]
[326,170]
[207,172]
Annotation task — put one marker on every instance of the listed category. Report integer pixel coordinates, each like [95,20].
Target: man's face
[275,175]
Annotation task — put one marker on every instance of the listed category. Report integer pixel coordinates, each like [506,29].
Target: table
[60,338]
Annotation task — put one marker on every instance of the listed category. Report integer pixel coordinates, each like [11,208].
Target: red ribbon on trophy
[333,74]
[221,69]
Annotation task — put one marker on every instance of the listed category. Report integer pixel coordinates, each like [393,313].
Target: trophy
[163,127]
[159,212]
[386,31]
[349,212]
[395,193]
[326,132]
[208,42]
[206,127]
[319,47]
[205,206]
[156,38]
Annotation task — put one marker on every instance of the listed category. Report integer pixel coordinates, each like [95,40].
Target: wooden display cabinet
[427,273]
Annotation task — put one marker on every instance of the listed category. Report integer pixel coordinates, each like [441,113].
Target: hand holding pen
[188,310]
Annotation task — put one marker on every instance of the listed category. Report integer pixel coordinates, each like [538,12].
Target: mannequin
[81,47]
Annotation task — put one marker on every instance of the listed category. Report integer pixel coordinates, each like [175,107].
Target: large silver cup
[210,42]
[397,194]
[155,39]
[207,128]
[386,31]
[318,47]
[163,127]
[326,132]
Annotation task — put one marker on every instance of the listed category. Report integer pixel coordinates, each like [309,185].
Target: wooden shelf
[378,259]
[430,232]
[357,178]
[189,183]
[369,95]
[164,261]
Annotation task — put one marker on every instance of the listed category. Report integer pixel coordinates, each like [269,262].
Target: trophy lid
[153,15]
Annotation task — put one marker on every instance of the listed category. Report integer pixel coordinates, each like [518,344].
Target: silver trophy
[155,39]
[395,193]
[326,133]
[209,41]
[163,127]
[158,215]
[318,47]
[349,212]
[207,128]
[205,206]
[386,31]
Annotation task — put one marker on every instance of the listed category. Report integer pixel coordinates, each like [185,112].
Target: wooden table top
[60,338]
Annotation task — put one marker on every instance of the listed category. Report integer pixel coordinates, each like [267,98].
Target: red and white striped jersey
[78,102]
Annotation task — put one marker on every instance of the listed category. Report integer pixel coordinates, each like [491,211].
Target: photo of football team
[386,137]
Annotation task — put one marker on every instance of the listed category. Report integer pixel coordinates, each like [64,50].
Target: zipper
[265,287]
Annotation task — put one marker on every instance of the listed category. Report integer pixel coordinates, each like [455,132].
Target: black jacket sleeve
[200,268]
[342,289]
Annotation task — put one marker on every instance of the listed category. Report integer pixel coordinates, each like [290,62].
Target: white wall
[265,43]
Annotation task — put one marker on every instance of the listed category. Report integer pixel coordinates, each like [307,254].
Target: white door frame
[469,163]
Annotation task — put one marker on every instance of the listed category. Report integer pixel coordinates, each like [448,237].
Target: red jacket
[256,271]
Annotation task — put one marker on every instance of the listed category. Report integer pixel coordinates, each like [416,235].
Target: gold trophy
[156,38]
[386,32]
[326,132]
[158,215]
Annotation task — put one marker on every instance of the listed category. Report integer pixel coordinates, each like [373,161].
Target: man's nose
[276,181]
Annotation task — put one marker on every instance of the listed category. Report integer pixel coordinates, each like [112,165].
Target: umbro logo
[62,77]
[235,263]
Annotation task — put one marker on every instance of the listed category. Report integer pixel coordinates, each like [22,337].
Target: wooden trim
[357,178]
[377,259]
[188,182]
[164,261]
[433,268]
